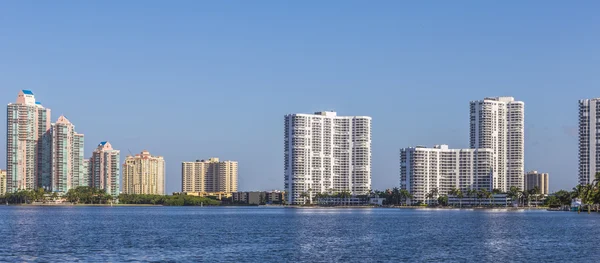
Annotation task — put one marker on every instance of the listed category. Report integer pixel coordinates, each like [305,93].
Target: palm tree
[304,195]
[487,194]
[535,192]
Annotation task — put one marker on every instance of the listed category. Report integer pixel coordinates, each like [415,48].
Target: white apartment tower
[589,134]
[425,170]
[326,153]
[498,124]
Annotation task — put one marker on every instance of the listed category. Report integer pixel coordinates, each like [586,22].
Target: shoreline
[296,206]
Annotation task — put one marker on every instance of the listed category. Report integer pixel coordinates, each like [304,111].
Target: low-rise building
[257,198]
[496,200]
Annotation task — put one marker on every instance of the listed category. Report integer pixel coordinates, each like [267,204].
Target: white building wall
[425,169]
[498,124]
[326,153]
[588,137]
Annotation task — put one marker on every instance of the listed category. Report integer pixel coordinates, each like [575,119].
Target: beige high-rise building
[533,179]
[144,174]
[2,182]
[209,175]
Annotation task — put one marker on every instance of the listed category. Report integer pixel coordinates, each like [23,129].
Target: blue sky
[195,79]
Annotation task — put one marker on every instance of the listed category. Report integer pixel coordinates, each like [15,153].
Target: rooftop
[27,92]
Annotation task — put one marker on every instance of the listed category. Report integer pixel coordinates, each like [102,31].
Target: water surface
[262,234]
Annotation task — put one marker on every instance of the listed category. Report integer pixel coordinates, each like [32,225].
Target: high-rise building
[2,182]
[326,153]
[144,174]
[498,124]
[104,169]
[84,179]
[589,135]
[438,170]
[209,175]
[27,123]
[540,180]
[66,160]
[80,164]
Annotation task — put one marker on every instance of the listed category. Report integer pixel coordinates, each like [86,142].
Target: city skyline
[411,64]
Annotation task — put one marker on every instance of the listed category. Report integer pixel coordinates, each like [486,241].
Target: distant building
[66,156]
[217,195]
[533,179]
[104,169]
[27,123]
[589,130]
[144,174]
[498,124]
[209,175]
[425,170]
[257,198]
[80,164]
[326,153]
[466,201]
[2,182]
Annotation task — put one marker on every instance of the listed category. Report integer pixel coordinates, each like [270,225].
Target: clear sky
[197,79]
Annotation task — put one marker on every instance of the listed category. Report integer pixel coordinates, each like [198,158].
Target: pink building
[104,169]
[27,123]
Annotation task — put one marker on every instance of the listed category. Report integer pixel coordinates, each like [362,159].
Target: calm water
[256,234]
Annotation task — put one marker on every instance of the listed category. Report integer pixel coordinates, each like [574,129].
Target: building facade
[259,198]
[589,134]
[27,123]
[2,182]
[66,163]
[80,164]
[498,124]
[144,174]
[540,180]
[209,175]
[104,169]
[438,170]
[326,153]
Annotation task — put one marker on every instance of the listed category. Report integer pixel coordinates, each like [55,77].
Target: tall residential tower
[209,175]
[66,156]
[104,169]
[498,124]
[326,153]
[589,135]
[27,123]
[144,174]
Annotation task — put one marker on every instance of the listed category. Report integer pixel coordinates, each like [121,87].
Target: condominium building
[80,164]
[104,169]
[66,156]
[2,182]
[589,135]
[27,122]
[498,124]
[209,175]
[144,174]
[540,180]
[439,169]
[85,174]
[326,153]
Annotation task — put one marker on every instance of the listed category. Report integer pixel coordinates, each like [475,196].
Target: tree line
[91,195]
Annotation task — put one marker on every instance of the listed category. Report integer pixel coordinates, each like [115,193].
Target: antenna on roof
[131,154]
